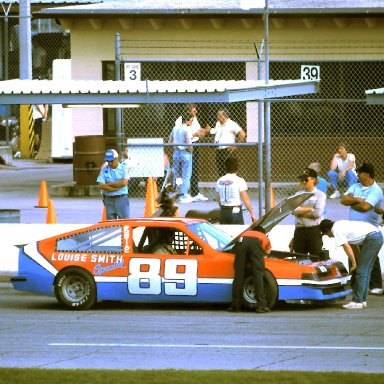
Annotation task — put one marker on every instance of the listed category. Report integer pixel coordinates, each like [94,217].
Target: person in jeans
[364,200]
[343,170]
[113,182]
[250,248]
[231,192]
[182,157]
[362,242]
[196,132]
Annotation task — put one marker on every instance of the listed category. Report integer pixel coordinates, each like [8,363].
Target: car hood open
[274,216]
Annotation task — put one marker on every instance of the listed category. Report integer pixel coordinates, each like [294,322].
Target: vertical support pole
[267,114]
[26,131]
[25,44]
[119,133]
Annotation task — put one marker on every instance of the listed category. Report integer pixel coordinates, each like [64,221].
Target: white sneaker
[185,199]
[364,304]
[200,197]
[353,305]
[335,195]
[376,291]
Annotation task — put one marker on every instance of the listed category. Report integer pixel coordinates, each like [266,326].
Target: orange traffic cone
[272,195]
[51,215]
[43,197]
[104,215]
[150,197]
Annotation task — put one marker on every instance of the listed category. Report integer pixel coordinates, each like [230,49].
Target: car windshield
[212,235]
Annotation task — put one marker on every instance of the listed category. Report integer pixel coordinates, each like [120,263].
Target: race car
[169,259]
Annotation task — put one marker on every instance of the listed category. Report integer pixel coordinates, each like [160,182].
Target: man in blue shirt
[113,182]
[364,198]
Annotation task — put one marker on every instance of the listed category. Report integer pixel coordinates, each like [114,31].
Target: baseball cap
[367,168]
[308,172]
[110,155]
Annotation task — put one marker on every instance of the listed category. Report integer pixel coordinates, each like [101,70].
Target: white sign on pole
[146,160]
[310,72]
[132,71]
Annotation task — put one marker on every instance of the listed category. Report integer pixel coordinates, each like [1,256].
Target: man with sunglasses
[307,236]
[113,182]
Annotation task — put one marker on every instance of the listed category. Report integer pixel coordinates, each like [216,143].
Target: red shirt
[265,243]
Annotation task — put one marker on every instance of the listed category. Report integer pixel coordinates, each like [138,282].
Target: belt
[115,196]
[309,228]
[230,206]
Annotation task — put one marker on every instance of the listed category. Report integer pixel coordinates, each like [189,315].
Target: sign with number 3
[180,277]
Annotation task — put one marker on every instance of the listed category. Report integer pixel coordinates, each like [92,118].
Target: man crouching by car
[250,248]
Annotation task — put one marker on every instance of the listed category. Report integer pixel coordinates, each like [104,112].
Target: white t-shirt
[342,164]
[229,187]
[352,232]
[226,133]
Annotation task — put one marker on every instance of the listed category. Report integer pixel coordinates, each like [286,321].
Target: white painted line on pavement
[125,345]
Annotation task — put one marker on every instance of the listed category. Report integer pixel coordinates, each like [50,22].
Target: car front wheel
[270,291]
[75,288]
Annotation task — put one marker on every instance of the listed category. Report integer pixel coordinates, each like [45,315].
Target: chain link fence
[302,130]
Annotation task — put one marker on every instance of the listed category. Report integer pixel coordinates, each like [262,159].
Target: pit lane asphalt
[36,332]
[20,189]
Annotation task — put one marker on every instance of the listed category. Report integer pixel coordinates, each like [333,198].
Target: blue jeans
[182,167]
[349,179]
[368,254]
[117,207]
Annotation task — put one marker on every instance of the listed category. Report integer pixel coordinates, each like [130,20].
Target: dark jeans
[227,216]
[308,240]
[249,250]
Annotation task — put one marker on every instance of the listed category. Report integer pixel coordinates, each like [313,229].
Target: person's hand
[291,249]
[341,175]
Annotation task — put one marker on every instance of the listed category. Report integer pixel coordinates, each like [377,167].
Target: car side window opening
[164,240]
[210,234]
[102,240]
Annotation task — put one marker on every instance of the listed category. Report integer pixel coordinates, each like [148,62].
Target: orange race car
[168,259]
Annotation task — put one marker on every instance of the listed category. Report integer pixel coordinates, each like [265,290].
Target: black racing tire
[270,288]
[75,288]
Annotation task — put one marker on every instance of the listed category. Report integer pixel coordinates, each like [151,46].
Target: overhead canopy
[148,92]
[375,96]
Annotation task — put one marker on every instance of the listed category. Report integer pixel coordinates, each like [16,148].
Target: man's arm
[356,203]
[247,202]
[351,256]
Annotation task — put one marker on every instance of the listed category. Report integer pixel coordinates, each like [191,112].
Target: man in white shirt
[362,242]
[226,131]
[231,192]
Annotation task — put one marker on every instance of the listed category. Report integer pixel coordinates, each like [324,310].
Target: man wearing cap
[307,237]
[113,182]
[362,242]
[364,199]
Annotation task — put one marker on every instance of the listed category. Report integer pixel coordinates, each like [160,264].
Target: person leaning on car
[361,242]
[250,248]
[113,182]
[307,237]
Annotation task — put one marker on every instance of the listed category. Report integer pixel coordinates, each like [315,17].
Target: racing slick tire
[271,291]
[75,288]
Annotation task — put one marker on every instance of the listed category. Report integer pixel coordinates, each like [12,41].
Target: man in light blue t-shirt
[364,198]
[113,182]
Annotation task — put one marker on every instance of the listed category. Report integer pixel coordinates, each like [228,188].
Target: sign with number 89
[180,277]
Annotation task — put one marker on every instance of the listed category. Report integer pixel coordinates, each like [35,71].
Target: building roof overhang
[148,92]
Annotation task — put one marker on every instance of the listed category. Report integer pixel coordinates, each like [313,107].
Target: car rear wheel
[270,290]
[75,288]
